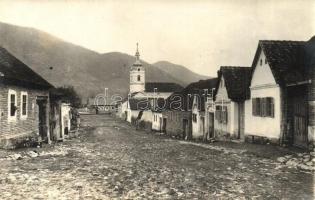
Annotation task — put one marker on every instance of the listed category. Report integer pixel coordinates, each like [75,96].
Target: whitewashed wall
[263,84]
[156,125]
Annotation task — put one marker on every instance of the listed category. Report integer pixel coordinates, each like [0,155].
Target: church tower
[137,75]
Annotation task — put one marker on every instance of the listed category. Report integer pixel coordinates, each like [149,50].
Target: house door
[202,128]
[164,125]
[299,121]
[211,125]
[42,118]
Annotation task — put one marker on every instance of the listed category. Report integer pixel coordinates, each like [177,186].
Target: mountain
[179,71]
[63,63]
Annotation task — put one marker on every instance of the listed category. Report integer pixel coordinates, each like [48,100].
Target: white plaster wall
[264,126]
[196,132]
[222,99]
[156,124]
[147,116]
[65,118]
[135,85]
[263,84]
[234,119]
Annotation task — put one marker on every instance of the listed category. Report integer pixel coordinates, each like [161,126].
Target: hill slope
[179,71]
[63,63]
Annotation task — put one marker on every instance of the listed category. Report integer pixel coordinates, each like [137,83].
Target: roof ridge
[291,41]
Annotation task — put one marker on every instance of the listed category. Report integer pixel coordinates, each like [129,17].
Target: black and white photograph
[156,99]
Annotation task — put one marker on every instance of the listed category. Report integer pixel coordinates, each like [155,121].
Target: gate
[300,122]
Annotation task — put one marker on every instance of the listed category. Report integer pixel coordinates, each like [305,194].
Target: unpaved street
[111,160]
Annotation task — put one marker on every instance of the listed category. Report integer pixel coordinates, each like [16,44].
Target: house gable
[262,74]
[221,90]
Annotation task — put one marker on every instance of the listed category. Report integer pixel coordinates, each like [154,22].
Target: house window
[23,104]
[138,69]
[12,103]
[194,117]
[221,114]
[263,107]
[260,62]
[139,77]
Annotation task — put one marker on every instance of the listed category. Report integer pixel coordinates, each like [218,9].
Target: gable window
[139,77]
[260,62]
[12,105]
[24,104]
[263,107]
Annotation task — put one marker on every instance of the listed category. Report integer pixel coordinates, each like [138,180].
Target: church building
[139,88]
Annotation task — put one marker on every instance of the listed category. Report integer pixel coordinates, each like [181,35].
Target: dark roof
[13,71]
[187,94]
[237,82]
[162,87]
[139,104]
[285,58]
[310,58]
[159,105]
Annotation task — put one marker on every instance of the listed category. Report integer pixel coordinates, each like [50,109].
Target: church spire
[137,52]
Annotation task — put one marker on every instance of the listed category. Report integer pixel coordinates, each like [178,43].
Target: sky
[201,35]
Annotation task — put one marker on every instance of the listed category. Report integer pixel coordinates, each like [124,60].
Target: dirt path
[114,161]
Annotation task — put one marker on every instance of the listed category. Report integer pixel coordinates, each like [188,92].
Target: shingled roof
[13,71]
[237,81]
[285,58]
[162,87]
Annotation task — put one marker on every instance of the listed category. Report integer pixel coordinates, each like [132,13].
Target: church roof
[162,87]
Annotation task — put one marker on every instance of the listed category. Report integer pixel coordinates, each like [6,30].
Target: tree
[68,94]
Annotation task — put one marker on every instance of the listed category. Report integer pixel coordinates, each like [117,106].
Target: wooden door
[42,119]
[211,125]
[164,125]
[300,122]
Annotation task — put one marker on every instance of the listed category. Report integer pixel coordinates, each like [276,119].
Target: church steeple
[137,52]
[137,75]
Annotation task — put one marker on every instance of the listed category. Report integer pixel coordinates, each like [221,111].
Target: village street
[111,160]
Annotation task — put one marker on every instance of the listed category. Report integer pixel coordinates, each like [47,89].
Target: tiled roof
[237,81]
[285,58]
[139,104]
[162,87]
[13,71]
[159,105]
[188,93]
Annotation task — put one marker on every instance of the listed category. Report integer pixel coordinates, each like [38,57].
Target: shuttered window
[263,107]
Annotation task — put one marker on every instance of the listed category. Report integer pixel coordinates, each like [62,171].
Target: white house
[231,92]
[277,110]
[198,116]
[201,123]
